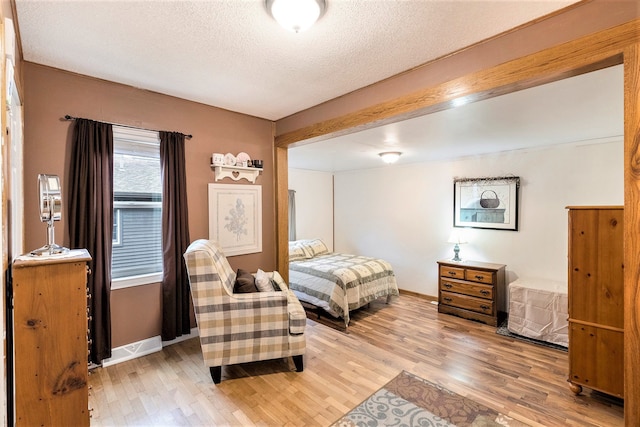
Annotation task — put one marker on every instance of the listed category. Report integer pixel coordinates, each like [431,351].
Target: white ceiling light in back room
[296,15]
[390,156]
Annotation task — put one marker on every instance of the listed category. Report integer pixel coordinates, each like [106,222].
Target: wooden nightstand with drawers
[471,289]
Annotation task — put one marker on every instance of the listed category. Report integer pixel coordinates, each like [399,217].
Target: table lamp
[457,238]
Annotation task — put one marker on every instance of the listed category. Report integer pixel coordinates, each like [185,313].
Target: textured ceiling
[231,53]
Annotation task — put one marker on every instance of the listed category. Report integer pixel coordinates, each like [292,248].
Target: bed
[538,309]
[335,282]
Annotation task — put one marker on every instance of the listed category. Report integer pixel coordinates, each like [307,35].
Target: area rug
[408,400]
[504,331]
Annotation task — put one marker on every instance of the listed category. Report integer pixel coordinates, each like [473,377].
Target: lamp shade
[296,15]
[457,238]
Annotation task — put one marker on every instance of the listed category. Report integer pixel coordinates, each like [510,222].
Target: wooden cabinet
[596,299]
[470,289]
[50,340]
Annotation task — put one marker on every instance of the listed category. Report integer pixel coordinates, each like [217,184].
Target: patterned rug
[408,400]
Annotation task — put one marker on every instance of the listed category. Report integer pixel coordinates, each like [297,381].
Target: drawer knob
[447,299]
[479,277]
[447,285]
[485,307]
[452,273]
[485,292]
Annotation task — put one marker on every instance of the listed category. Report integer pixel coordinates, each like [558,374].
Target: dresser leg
[576,388]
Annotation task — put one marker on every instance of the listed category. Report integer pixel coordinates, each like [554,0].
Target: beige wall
[50,94]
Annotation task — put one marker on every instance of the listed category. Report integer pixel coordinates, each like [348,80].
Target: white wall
[314,204]
[405,213]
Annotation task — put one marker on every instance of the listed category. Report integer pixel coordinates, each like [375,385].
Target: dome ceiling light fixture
[296,15]
[390,156]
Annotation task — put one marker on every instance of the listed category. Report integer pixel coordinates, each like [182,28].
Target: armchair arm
[263,298]
[275,276]
[233,327]
[297,315]
[238,306]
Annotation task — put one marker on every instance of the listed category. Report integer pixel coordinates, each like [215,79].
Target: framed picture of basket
[486,203]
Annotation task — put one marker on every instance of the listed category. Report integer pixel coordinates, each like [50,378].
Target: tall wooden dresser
[50,340]
[596,299]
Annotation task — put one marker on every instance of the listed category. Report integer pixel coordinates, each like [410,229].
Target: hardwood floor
[342,368]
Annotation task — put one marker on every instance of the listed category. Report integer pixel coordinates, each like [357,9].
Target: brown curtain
[91,222]
[175,237]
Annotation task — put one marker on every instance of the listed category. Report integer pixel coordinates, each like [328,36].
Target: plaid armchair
[245,327]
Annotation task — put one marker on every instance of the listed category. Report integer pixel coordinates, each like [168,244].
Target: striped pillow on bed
[298,252]
[316,247]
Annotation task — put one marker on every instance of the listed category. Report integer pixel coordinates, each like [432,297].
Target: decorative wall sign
[486,203]
[235,217]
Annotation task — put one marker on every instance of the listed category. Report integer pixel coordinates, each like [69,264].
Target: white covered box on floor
[538,309]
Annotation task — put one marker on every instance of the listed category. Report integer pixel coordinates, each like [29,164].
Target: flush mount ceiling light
[296,15]
[390,156]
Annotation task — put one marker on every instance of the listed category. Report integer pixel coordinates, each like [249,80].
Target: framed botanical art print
[486,203]
[235,217]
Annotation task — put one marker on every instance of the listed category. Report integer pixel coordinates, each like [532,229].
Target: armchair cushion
[263,282]
[245,282]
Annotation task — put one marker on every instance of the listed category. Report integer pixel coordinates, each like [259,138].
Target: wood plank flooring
[342,368]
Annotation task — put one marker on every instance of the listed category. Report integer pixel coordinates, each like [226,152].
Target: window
[116,227]
[137,204]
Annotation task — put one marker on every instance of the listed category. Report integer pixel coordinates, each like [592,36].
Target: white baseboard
[192,334]
[142,348]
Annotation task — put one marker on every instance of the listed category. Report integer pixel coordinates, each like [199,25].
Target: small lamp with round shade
[457,238]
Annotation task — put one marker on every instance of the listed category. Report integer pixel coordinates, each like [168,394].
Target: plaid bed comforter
[339,283]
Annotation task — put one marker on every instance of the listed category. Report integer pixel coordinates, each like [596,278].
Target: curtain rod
[68,117]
